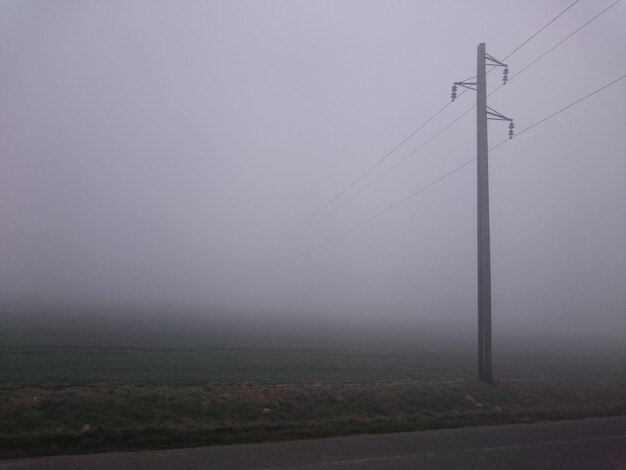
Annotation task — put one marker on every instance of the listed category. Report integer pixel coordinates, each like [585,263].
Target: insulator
[505,75]
[453,95]
[511,125]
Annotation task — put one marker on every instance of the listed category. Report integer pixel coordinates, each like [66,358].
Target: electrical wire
[557,44]
[311,219]
[313,216]
[413,152]
[567,37]
[539,31]
[455,170]
[374,181]
[560,111]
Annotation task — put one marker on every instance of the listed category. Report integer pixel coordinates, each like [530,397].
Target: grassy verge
[40,419]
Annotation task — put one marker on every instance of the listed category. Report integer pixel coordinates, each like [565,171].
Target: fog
[170,158]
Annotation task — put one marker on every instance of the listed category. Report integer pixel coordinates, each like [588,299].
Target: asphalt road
[597,443]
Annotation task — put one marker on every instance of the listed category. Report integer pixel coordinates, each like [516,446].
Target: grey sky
[160,153]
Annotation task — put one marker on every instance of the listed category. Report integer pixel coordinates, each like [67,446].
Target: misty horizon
[168,161]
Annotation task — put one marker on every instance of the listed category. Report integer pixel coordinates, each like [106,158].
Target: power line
[384,211]
[374,181]
[406,157]
[540,30]
[366,172]
[315,214]
[473,107]
[561,110]
[558,43]
[455,170]
[567,37]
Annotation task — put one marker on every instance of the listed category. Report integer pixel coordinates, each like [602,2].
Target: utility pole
[484,252]
[483,113]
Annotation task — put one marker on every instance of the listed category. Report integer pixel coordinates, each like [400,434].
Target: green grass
[39,419]
[67,387]
[157,364]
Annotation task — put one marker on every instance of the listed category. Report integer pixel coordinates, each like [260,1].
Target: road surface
[596,443]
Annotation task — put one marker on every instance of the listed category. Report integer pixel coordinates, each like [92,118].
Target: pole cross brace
[495,115]
[469,85]
[494,62]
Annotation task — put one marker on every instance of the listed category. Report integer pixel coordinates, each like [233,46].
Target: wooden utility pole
[483,113]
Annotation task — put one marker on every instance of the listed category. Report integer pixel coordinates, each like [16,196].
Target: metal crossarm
[494,62]
[496,115]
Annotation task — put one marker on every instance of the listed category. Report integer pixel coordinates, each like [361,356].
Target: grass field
[73,389]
